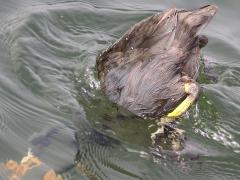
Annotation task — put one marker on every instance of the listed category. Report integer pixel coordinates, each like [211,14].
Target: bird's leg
[166,127]
[192,89]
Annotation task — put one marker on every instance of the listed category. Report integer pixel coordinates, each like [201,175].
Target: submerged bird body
[152,69]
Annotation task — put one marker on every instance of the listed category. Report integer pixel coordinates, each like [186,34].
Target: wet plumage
[145,70]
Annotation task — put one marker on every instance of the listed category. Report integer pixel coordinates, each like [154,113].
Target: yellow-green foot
[167,133]
[192,89]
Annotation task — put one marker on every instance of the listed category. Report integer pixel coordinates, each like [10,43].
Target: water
[51,100]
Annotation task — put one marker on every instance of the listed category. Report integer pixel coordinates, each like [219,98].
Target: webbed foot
[168,137]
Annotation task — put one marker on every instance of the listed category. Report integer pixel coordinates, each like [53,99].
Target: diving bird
[152,69]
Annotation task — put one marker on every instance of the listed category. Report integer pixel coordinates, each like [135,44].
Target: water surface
[51,102]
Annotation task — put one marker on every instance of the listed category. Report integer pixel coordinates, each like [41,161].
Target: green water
[51,102]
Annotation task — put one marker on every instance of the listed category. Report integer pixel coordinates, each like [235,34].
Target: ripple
[209,120]
[49,90]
